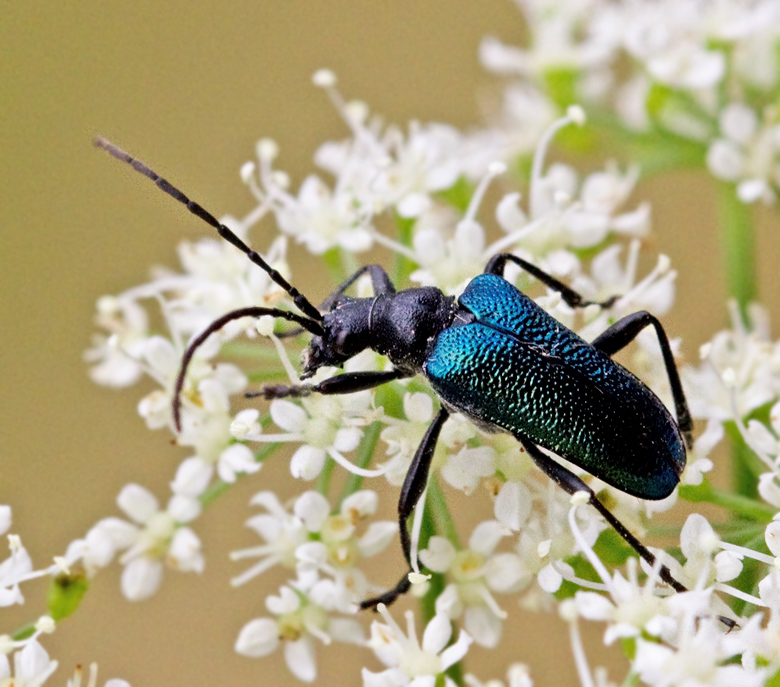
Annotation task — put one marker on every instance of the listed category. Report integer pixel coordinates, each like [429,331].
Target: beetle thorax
[403,326]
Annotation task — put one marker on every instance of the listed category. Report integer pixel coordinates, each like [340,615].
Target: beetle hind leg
[571,484]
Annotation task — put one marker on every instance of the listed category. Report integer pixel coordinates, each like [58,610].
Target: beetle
[497,357]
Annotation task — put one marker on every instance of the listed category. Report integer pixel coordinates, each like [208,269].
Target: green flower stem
[332,259]
[259,349]
[438,520]
[435,517]
[658,150]
[744,482]
[437,503]
[323,482]
[739,250]
[739,258]
[403,266]
[632,680]
[24,632]
[736,504]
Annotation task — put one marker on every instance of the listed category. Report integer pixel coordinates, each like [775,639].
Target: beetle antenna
[298,298]
[310,325]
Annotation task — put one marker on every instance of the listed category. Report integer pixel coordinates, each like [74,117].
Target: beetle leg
[625,330]
[498,262]
[414,485]
[570,483]
[348,383]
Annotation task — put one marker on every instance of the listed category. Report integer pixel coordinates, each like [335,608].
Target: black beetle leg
[498,262]
[348,383]
[570,483]
[414,485]
[625,330]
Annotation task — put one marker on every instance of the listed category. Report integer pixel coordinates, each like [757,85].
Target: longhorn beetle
[497,357]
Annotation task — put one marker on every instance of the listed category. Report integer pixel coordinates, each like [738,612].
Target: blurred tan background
[189,88]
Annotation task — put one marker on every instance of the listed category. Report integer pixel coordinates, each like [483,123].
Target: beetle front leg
[348,383]
[498,262]
[623,332]
[414,485]
[571,484]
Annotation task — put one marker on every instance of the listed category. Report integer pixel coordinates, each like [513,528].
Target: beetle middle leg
[414,484]
[571,484]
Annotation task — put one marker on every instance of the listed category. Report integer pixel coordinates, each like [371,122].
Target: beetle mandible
[497,357]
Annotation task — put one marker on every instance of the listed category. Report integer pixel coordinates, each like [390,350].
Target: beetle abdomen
[558,391]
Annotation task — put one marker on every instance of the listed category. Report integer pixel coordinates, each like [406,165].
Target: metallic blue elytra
[517,368]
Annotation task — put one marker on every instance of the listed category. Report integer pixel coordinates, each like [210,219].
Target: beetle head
[345,334]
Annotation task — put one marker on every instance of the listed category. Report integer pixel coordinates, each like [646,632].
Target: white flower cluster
[703,72]
[695,72]
[23,659]
[527,547]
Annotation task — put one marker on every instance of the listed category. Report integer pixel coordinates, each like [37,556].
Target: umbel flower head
[681,80]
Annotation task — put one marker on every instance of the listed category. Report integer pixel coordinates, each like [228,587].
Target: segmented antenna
[310,321]
[301,302]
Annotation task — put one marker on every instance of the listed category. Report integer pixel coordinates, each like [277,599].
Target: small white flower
[409,662]
[14,570]
[156,538]
[302,615]
[476,572]
[518,675]
[465,469]
[282,532]
[404,436]
[31,666]
[327,426]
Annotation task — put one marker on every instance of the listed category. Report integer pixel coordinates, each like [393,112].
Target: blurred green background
[189,88]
